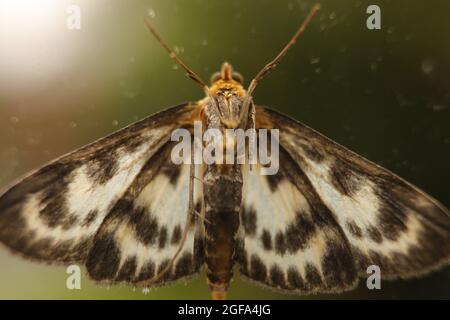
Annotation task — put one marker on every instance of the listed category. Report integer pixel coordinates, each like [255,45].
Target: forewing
[142,233]
[385,220]
[55,212]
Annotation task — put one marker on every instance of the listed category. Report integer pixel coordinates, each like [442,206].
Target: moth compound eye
[238,77]
[216,76]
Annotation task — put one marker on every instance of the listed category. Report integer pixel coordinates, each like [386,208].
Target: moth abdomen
[222,197]
[220,247]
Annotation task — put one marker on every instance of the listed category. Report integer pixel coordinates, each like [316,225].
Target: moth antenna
[272,64]
[191,74]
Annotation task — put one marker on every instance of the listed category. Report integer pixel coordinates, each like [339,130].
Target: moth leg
[191,212]
[214,102]
[198,214]
[253,127]
[198,179]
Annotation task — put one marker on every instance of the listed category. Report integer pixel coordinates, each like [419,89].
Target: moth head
[227,83]
[227,74]
[226,86]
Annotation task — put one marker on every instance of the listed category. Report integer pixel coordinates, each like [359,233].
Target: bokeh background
[384,94]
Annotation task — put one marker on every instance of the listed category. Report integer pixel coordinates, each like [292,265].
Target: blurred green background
[384,94]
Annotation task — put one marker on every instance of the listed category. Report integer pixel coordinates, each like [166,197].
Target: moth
[122,208]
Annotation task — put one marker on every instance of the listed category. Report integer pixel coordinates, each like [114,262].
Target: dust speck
[438,107]
[428,65]
[151,13]
[14,120]
[73,125]
[315,60]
